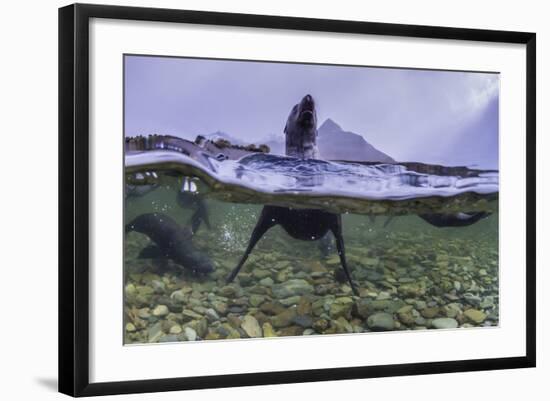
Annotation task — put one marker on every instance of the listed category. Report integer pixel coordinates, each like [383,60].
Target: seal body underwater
[171,241]
[302,224]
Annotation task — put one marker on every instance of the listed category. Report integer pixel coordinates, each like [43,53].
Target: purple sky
[413,115]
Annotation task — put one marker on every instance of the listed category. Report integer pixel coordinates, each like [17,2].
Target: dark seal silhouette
[453,220]
[301,130]
[171,241]
[302,224]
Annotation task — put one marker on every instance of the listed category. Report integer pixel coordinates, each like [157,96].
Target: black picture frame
[74,198]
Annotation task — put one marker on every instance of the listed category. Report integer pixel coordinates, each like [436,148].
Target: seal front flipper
[200,215]
[325,245]
[267,220]
[151,252]
[336,228]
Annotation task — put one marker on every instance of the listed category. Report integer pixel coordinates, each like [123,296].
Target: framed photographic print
[295,199]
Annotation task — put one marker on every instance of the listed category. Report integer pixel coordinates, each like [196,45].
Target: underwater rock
[160,310]
[381,321]
[130,327]
[226,331]
[405,309]
[431,312]
[341,307]
[304,321]
[444,323]
[318,307]
[202,327]
[260,274]
[181,294]
[406,317]
[175,329]
[212,335]
[411,290]
[211,315]
[320,325]
[472,299]
[234,320]
[130,290]
[487,302]
[190,334]
[291,331]
[292,287]
[290,300]
[340,325]
[246,280]
[324,289]
[452,310]
[420,321]
[158,286]
[419,304]
[475,316]
[266,282]
[154,333]
[256,300]
[388,306]
[363,308]
[272,308]
[284,318]
[171,338]
[236,309]
[303,307]
[282,276]
[188,314]
[251,326]
[268,331]
[220,307]
[383,295]
[144,313]
[370,275]
[229,291]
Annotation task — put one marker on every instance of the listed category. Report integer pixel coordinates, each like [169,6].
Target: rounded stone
[444,323]
[475,316]
[381,321]
[190,334]
[160,310]
[251,326]
[176,329]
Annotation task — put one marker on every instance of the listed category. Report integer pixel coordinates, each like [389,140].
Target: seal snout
[307,104]
[306,110]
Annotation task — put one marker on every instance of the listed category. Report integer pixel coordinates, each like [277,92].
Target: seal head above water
[301,130]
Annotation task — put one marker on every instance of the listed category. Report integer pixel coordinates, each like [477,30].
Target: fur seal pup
[302,224]
[171,241]
[453,220]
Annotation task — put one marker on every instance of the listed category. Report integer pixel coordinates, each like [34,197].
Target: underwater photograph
[274,199]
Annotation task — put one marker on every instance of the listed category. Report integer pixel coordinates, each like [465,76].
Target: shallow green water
[410,275]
